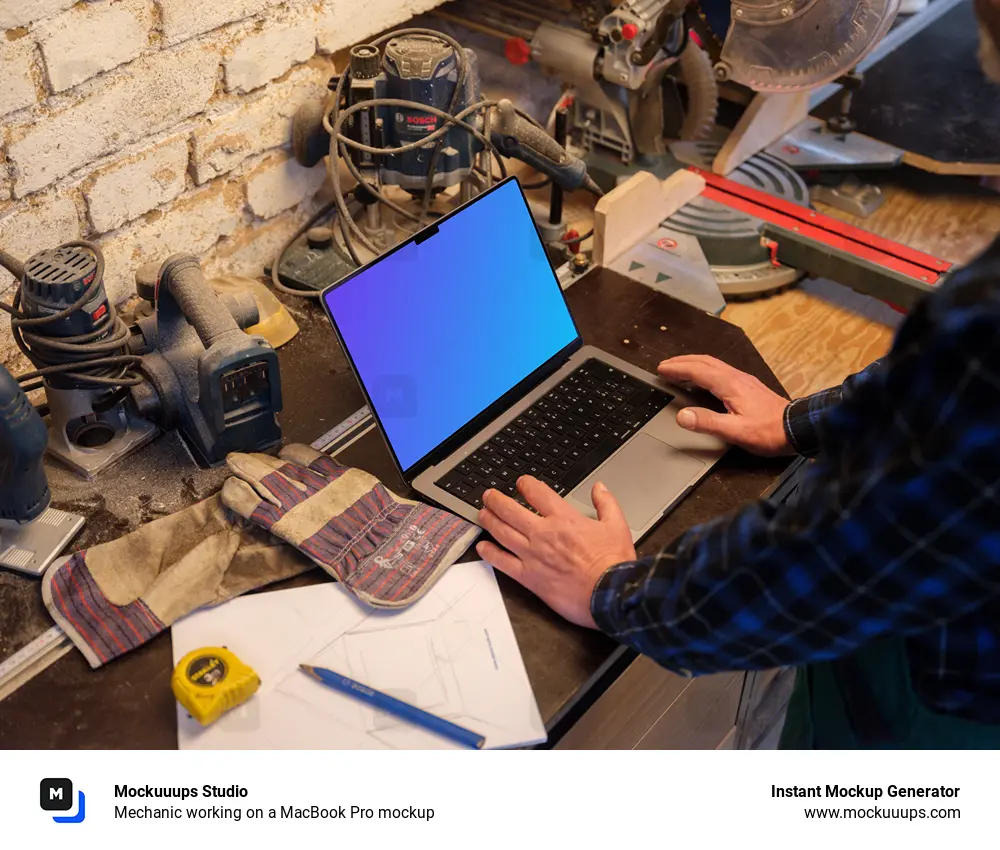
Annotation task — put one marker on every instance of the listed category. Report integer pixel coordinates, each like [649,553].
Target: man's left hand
[557,554]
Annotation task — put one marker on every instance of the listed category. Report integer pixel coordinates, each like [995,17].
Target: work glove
[386,550]
[117,596]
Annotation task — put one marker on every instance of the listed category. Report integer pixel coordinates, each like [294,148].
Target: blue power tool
[32,534]
[24,489]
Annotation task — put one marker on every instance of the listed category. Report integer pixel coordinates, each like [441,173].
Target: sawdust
[157,481]
[23,613]
[162,478]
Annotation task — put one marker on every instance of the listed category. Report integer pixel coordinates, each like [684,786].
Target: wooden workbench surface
[812,337]
[128,703]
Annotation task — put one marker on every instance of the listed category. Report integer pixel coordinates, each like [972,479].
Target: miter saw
[621,62]
[644,81]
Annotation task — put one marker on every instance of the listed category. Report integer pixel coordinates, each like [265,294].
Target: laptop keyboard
[562,438]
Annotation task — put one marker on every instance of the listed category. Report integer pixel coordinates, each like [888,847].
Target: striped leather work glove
[114,597]
[386,550]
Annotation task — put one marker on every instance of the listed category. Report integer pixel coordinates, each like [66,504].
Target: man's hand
[558,554]
[755,420]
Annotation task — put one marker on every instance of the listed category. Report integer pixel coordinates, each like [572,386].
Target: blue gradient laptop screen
[439,331]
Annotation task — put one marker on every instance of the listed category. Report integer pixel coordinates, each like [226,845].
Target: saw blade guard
[793,45]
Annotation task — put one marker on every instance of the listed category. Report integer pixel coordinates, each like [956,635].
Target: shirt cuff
[606,593]
[617,583]
[802,420]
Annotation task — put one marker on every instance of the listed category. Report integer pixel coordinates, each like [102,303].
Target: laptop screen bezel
[481,420]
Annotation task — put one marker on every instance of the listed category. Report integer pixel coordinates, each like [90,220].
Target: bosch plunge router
[408,121]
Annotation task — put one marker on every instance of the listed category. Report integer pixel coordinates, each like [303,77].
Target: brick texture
[154,93]
[156,126]
[279,183]
[131,187]
[91,38]
[338,22]
[184,18]
[17,80]
[266,55]
[257,123]
[252,247]
[192,225]
[47,221]
[18,13]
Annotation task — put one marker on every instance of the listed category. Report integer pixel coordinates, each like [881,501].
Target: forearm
[783,585]
[674,608]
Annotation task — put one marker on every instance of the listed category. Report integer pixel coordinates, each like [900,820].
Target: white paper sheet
[452,653]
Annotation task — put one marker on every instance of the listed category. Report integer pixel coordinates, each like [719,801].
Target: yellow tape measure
[209,682]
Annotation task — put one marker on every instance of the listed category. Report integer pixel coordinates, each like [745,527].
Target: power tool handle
[570,174]
[183,294]
[24,489]
[529,136]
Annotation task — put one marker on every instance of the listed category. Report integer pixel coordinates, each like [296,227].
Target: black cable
[342,142]
[338,152]
[528,187]
[12,264]
[94,360]
[685,38]
[331,119]
[463,68]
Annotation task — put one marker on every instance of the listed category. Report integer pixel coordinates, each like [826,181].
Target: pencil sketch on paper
[453,653]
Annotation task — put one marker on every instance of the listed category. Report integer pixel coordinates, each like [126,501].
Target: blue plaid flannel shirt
[895,530]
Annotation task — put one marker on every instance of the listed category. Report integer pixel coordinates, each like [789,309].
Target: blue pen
[401,709]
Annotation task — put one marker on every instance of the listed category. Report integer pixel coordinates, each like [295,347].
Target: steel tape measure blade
[32,659]
[353,427]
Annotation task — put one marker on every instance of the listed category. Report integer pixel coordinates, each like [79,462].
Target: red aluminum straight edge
[828,231]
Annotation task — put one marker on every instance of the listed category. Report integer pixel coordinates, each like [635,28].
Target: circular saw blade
[714,17]
[792,45]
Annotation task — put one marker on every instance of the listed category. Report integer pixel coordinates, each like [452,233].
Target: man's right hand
[755,420]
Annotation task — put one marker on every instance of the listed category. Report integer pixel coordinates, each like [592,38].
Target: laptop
[476,374]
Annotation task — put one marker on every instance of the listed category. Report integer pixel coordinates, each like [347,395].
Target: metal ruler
[339,437]
[28,662]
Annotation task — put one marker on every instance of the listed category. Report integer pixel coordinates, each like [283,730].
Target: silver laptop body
[649,473]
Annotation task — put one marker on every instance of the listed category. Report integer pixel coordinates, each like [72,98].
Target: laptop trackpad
[646,476]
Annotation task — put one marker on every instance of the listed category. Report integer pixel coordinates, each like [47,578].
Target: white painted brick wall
[184,18]
[152,94]
[130,187]
[279,182]
[256,123]
[17,74]
[338,22]
[94,37]
[18,13]
[47,220]
[264,56]
[252,247]
[193,225]
[155,126]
